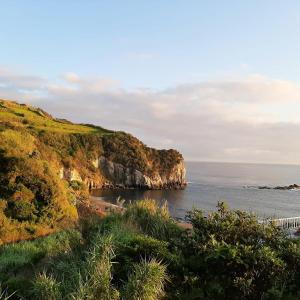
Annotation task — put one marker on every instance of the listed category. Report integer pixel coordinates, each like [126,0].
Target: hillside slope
[46,163]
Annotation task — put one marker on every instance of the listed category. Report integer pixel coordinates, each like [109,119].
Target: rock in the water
[283,188]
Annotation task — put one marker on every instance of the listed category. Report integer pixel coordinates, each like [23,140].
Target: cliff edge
[122,161]
[48,163]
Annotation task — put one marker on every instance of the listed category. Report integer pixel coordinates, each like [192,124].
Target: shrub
[230,255]
[226,255]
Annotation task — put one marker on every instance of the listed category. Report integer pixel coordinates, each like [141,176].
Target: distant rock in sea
[283,188]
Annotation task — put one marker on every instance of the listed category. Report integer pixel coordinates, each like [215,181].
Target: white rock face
[117,176]
[121,176]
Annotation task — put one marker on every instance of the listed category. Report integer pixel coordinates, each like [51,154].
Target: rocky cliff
[48,164]
[121,176]
[98,157]
[116,175]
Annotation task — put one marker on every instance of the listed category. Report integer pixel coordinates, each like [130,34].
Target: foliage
[152,219]
[227,255]
[32,194]
[230,255]
[146,281]
[19,261]
[46,287]
[4,295]
[129,151]
[37,151]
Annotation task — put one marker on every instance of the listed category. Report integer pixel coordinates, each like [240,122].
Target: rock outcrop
[114,175]
[124,177]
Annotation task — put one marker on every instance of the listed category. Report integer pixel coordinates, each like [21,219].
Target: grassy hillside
[35,147]
[23,116]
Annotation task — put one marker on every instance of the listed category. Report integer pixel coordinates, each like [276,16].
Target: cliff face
[115,175]
[121,176]
[125,162]
[37,151]
[98,157]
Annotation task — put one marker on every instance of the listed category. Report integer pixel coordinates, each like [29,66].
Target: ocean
[235,183]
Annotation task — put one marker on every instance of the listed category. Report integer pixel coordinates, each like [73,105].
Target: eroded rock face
[120,176]
[115,175]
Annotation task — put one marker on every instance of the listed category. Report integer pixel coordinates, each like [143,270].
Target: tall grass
[18,255]
[85,276]
[105,265]
[97,272]
[146,282]
[46,287]
[20,261]
[152,219]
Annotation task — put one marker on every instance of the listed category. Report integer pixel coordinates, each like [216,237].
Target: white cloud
[252,118]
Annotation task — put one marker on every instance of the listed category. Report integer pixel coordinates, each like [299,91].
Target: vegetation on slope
[17,115]
[129,151]
[34,147]
[143,254]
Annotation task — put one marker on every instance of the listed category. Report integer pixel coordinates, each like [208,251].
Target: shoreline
[101,208]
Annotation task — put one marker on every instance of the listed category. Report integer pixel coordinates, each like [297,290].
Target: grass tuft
[146,282]
[46,287]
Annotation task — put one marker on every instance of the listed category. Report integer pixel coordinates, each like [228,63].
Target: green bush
[230,255]
[226,255]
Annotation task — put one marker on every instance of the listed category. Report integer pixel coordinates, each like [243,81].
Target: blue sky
[218,80]
[151,43]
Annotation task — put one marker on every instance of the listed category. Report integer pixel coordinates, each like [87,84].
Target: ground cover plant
[142,253]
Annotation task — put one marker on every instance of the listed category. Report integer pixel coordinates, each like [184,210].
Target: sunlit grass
[19,255]
[26,116]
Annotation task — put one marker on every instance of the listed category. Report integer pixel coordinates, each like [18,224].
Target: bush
[230,255]
[226,255]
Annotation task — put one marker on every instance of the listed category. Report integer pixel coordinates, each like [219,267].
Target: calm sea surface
[234,183]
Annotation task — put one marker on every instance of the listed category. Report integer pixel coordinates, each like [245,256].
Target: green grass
[34,118]
[227,255]
[146,281]
[18,255]
[20,261]
[114,260]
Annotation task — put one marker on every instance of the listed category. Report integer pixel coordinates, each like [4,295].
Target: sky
[217,80]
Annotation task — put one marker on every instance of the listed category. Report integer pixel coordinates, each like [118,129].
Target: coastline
[101,208]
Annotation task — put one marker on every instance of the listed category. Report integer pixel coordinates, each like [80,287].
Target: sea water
[235,183]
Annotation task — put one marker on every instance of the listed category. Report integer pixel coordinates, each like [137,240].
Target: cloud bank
[251,119]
